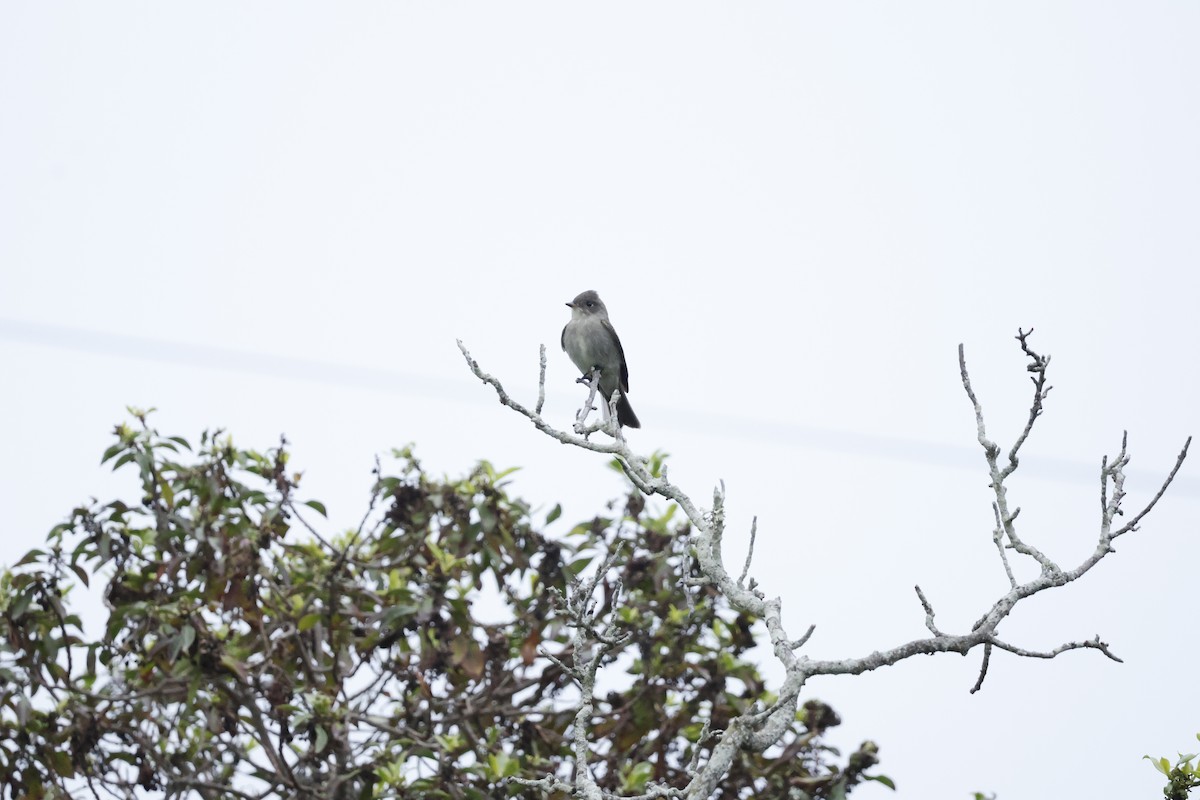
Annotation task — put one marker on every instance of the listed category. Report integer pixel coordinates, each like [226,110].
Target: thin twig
[925,604]
[998,539]
[541,379]
[992,452]
[532,416]
[803,640]
[983,667]
[1037,366]
[592,379]
[1091,644]
[1132,524]
[749,552]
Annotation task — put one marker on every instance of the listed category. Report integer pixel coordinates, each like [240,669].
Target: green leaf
[505,473]
[61,761]
[501,765]
[1161,764]
[21,605]
[182,641]
[884,779]
[554,514]
[167,492]
[438,554]
[318,506]
[322,739]
[307,621]
[235,666]
[81,573]
[30,557]
[637,777]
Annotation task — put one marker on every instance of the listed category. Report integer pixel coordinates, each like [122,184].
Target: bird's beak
[570,305]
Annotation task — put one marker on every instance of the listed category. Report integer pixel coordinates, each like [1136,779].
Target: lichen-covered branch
[759,728]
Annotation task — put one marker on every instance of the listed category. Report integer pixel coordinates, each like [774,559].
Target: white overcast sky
[278,217]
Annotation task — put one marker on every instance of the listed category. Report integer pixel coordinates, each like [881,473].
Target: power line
[226,358]
[387,380]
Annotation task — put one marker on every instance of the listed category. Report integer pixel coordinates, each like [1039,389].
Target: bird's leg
[589,376]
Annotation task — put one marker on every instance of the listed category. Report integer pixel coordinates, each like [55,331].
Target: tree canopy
[429,652]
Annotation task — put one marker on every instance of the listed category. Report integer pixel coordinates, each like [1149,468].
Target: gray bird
[591,342]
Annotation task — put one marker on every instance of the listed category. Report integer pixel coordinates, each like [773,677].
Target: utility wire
[386,380]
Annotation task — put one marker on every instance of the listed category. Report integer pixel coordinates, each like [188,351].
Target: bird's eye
[590,304]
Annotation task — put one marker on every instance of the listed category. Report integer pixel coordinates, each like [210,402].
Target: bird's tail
[625,414]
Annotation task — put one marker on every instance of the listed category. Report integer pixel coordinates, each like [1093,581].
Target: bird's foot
[588,376]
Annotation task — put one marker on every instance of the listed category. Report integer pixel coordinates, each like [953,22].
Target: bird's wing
[563,339]
[621,352]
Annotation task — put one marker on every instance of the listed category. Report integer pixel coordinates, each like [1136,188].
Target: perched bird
[591,342]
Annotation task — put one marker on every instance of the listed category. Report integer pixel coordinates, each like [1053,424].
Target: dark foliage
[248,654]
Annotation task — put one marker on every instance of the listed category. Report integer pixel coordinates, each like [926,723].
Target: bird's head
[587,304]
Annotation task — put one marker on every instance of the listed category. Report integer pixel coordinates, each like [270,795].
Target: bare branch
[928,612]
[983,667]
[1037,365]
[1132,524]
[533,416]
[1091,644]
[566,668]
[547,785]
[749,552]
[582,608]
[758,729]
[592,379]
[541,379]
[803,640]
[981,429]
[998,539]
[992,451]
